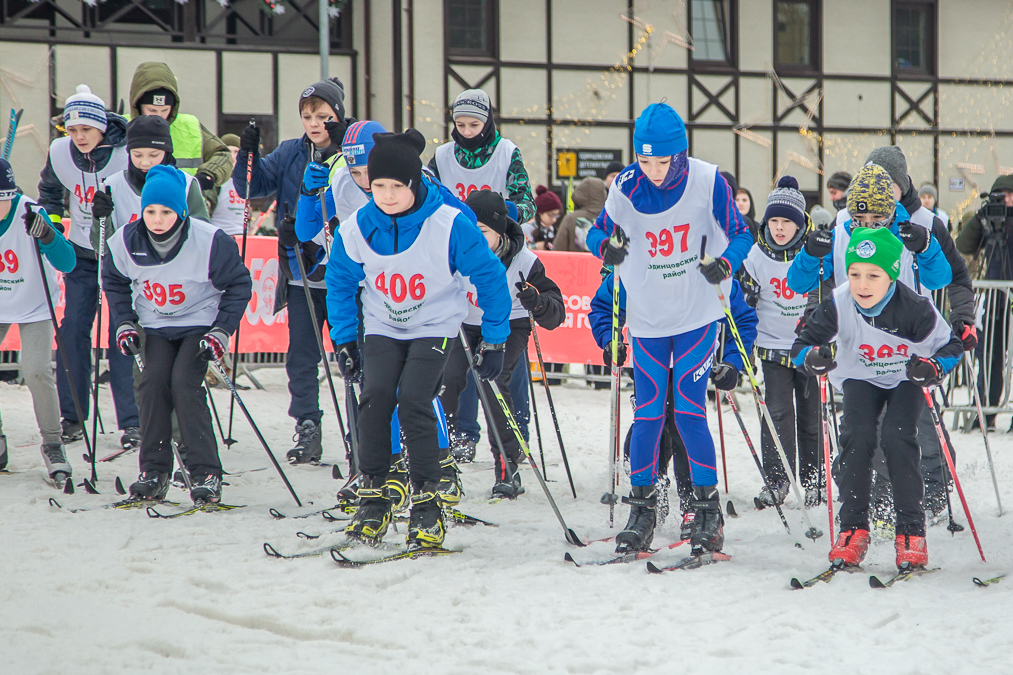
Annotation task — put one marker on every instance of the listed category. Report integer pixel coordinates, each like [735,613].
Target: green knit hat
[877,246]
[871,191]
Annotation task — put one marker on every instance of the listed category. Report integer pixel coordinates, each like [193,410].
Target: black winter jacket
[550,311]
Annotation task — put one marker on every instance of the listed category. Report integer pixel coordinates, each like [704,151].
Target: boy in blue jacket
[405,247]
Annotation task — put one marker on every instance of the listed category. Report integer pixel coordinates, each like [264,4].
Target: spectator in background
[928,196]
[588,201]
[744,202]
[837,186]
[541,230]
[611,171]
[822,219]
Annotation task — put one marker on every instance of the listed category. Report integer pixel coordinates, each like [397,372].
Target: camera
[994,211]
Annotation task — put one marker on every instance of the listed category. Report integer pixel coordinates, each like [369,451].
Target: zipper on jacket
[394,220]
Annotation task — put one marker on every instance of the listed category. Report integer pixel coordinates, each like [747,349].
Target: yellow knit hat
[871,191]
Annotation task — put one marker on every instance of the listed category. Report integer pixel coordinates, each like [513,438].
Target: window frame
[931,8]
[730,62]
[492,33]
[815,41]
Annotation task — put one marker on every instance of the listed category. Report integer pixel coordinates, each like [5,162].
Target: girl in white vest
[404,249]
[531,290]
[792,394]
[182,281]
[92,151]
[889,343]
[230,211]
[23,225]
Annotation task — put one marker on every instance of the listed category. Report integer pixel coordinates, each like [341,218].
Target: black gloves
[966,333]
[527,295]
[286,232]
[336,130]
[350,361]
[819,243]
[924,372]
[915,237]
[607,354]
[38,226]
[615,249]
[820,360]
[489,360]
[249,140]
[102,204]
[205,181]
[716,270]
[725,376]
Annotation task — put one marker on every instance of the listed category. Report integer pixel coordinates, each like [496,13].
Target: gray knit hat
[473,103]
[891,158]
[929,189]
[821,217]
[785,201]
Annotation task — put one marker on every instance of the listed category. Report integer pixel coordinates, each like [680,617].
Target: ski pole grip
[703,251]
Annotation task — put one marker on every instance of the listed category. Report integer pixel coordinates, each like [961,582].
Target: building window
[796,35]
[914,38]
[711,28]
[471,27]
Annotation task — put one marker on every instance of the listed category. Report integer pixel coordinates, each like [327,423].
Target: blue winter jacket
[934,269]
[600,318]
[648,198]
[469,254]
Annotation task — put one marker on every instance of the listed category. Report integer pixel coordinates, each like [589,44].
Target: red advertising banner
[577,274]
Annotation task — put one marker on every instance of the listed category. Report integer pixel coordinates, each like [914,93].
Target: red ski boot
[850,547]
[911,551]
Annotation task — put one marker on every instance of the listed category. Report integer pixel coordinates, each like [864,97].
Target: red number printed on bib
[156,293]
[464,190]
[85,197]
[870,353]
[9,262]
[663,243]
[399,289]
[781,289]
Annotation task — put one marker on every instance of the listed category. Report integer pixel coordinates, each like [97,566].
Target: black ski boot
[639,531]
[508,482]
[372,518]
[396,487]
[463,450]
[206,489]
[708,523]
[150,485]
[349,492]
[307,448]
[450,482]
[3,452]
[72,431]
[131,438]
[425,524]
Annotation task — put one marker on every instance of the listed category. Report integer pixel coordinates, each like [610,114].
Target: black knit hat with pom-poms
[786,201]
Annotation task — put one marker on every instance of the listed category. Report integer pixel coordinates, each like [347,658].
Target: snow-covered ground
[115,591]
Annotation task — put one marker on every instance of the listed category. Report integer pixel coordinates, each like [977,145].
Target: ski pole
[235,350]
[175,451]
[981,424]
[320,344]
[610,497]
[485,404]
[352,404]
[756,459]
[12,130]
[548,395]
[812,533]
[63,353]
[256,430]
[534,411]
[953,471]
[98,339]
[825,424]
[952,526]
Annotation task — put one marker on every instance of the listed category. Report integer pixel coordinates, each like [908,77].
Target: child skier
[230,212]
[890,342]
[77,163]
[792,394]
[530,290]
[23,302]
[183,282]
[405,247]
[656,217]
[322,111]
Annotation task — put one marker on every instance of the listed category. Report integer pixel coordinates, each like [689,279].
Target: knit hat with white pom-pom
[786,201]
[85,108]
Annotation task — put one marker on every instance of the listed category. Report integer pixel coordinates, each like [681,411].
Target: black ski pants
[173,380]
[402,374]
[793,399]
[863,403]
[456,378]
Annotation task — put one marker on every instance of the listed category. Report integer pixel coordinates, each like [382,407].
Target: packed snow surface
[110,591]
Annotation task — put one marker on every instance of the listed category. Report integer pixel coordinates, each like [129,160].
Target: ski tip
[758,504]
[874,582]
[653,569]
[303,535]
[730,509]
[89,487]
[53,502]
[814,533]
[152,513]
[275,513]
[120,490]
[569,558]
[68,487]
[340,559]
[572,538]
[796,585]
[271,550]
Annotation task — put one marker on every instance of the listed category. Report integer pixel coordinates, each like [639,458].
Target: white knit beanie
[85,108]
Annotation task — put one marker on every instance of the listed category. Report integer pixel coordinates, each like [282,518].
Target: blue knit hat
[165,185]
[358,141]
[659,132]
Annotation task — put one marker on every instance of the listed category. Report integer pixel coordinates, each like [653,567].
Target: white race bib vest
[491,176]
[521,264]
[348,197]
[779,308]
[176,293]
[872,355]
[230,213]
[410,294]
[665,292]
[82,186]
[22,296]
[127,202]
[841,241]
